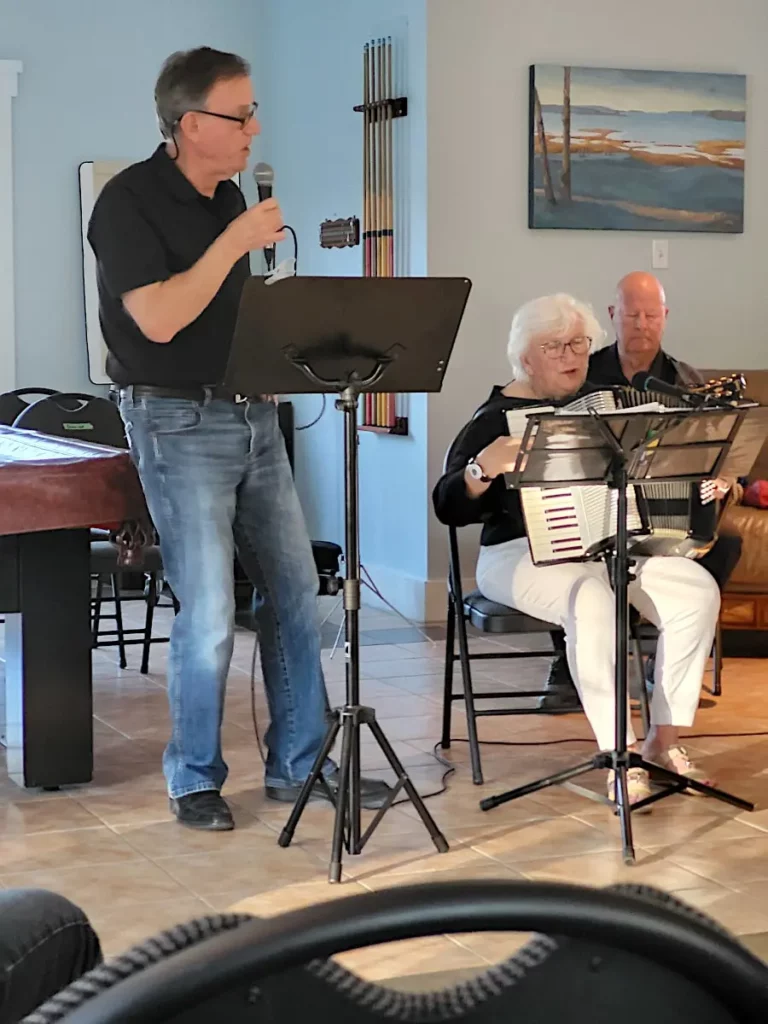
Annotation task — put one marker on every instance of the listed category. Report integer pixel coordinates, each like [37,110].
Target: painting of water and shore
[616,150]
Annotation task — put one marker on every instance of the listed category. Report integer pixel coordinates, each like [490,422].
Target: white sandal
[676,759]
[638,785]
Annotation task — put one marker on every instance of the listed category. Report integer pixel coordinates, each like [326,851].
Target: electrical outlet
[660,254]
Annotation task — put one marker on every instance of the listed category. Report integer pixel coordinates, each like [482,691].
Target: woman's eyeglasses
[556,349]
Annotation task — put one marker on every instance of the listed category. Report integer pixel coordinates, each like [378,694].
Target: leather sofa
[745,600]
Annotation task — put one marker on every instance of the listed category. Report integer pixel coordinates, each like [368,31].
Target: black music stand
[623,449]
[348,335]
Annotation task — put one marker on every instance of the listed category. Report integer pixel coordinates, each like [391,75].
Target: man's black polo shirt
[605,368]
[150,223]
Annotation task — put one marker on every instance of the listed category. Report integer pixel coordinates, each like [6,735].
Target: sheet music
[517,419]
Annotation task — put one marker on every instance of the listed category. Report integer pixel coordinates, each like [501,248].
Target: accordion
[663,518]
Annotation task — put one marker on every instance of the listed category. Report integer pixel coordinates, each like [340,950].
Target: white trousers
[677,595]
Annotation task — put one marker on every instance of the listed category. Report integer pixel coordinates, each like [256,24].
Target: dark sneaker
[373,792]
[207,811]
[561,694]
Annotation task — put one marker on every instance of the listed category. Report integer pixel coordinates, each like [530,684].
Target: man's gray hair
[187,77]
[550,318]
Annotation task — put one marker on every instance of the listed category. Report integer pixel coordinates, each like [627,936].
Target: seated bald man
[639,316]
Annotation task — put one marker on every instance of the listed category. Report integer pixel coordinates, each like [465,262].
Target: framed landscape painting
[621,150]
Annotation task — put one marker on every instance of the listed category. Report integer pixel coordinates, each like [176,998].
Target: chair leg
[96,622]
[717,663]
[151,599]
[645,711]
[119,619]
[558,642]
[450,636]
[469,698]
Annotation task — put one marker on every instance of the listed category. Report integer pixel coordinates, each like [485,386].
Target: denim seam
[159,465]
[264,592]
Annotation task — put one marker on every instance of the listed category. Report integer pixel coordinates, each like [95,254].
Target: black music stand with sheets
[348,336]
[621,449]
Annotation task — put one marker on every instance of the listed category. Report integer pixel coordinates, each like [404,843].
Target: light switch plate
[660,254]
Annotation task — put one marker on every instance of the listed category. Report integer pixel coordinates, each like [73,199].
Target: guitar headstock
[731,388]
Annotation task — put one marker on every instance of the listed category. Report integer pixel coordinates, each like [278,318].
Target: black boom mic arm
[647,382]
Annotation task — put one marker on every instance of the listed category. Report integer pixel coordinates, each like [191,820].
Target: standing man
[639,316]
[171,237]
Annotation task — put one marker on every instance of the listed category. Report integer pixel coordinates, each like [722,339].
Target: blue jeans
[216,477]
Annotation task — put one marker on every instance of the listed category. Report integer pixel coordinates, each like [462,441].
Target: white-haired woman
[549,346]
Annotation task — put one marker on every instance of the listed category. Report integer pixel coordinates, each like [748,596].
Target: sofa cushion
[751,572]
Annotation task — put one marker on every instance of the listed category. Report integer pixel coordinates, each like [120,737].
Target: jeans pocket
[169,415]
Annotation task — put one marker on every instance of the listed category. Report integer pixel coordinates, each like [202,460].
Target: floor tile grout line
[176,881]
[694,871]
[114,729]
[469,949]
[13,836]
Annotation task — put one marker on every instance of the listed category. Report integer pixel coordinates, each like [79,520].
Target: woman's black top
[498,508]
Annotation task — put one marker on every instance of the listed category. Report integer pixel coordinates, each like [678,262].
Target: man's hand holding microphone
[164,308]
[260,227]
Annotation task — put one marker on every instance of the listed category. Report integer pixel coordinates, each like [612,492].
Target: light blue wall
[313,79]
[86,93]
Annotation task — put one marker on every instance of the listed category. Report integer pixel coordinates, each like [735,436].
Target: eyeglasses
[556,349]
[242,121]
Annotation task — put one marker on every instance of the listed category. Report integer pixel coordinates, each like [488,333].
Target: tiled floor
[112,847]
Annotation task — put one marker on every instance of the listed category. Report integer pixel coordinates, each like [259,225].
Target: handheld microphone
[647,382]
[264,176]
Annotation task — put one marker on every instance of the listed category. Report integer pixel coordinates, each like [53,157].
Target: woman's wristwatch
[476,471]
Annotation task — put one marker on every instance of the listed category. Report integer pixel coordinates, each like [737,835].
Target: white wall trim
[9,74]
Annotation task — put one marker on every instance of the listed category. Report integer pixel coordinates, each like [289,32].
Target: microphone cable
[312,423]
[287,227]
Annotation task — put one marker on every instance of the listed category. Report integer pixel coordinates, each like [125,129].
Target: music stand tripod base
[603,441]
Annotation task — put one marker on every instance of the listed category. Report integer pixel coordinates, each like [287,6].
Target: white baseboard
[423,601]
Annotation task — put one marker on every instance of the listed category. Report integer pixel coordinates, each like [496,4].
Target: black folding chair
[631,953]
[492,618]
[97,420]
[13,403]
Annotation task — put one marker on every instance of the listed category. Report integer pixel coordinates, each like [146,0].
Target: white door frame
[9,73]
